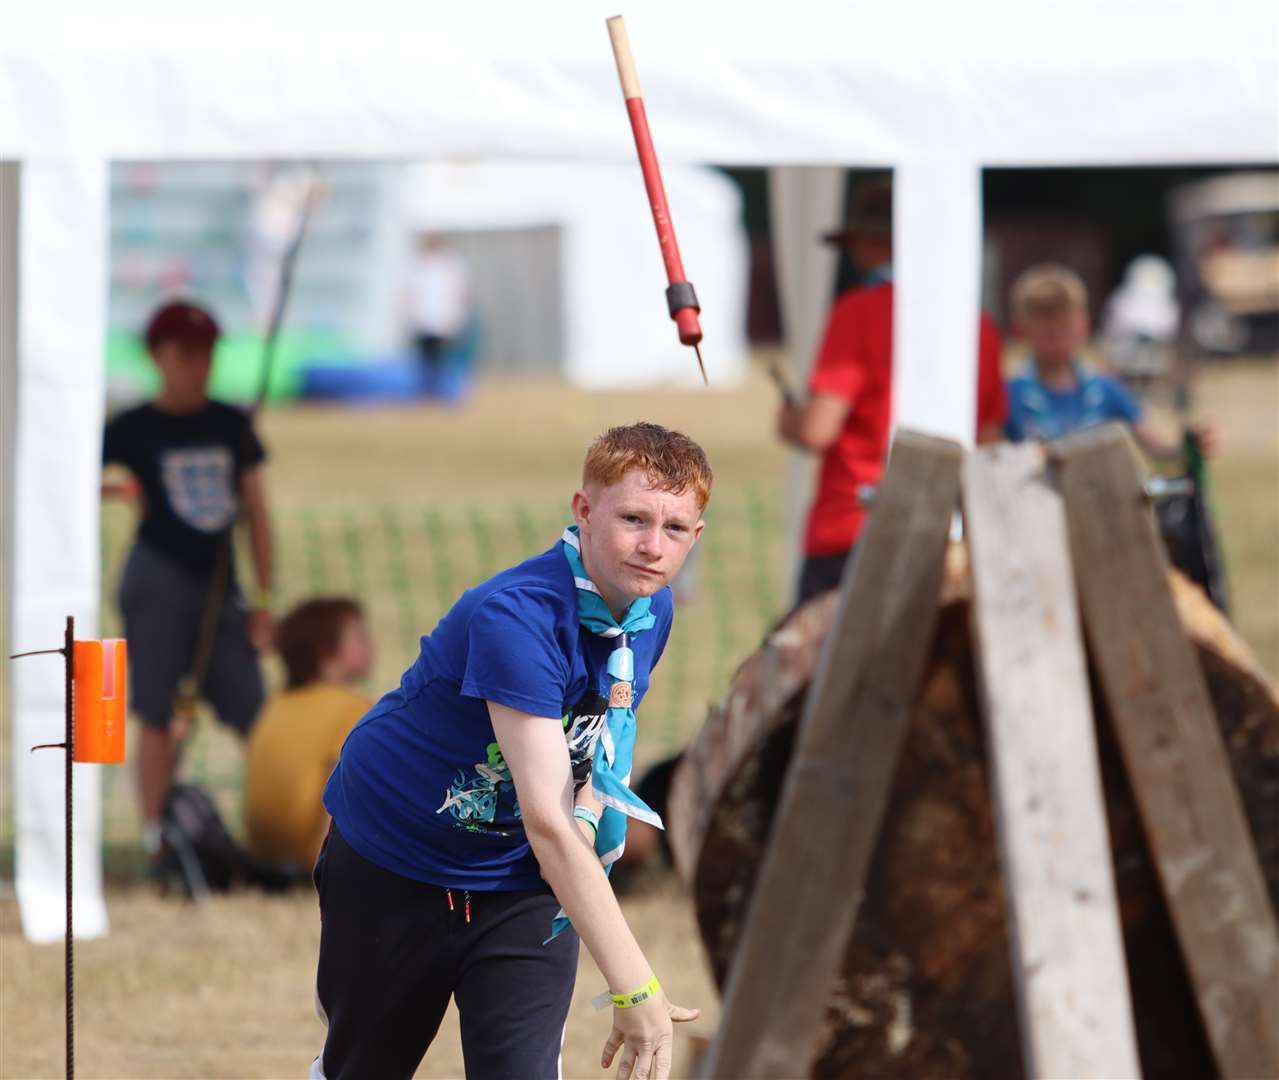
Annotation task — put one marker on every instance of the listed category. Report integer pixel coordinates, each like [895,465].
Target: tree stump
[925,988]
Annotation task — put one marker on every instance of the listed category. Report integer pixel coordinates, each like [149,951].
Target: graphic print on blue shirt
[473,797]
[471,800]
[1036,411]
[421,787]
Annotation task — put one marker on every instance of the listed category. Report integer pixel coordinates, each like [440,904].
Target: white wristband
[585,813]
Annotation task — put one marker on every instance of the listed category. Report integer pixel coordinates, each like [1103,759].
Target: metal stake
[68,746]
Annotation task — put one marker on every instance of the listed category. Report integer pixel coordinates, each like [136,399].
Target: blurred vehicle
[1226,237]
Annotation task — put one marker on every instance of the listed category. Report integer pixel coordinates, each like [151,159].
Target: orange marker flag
[101,700]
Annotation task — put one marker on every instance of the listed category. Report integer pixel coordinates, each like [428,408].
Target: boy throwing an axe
[477,808]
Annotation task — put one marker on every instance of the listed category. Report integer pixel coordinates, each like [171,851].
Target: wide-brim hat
[870,214]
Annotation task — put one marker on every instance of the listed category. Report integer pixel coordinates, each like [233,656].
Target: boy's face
[1055,340]
[635,537]
[184,368]
[869,253]
[353,659]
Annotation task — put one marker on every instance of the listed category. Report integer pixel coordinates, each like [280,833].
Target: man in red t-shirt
[847,415]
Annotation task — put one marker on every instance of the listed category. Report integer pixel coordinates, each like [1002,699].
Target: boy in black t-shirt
[197,463]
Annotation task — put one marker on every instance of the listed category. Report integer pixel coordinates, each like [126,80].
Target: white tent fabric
[62,326]
[803,204]
[999,81]
[935,89]
[617,333]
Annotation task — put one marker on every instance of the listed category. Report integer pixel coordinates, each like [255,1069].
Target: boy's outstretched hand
[645,1035]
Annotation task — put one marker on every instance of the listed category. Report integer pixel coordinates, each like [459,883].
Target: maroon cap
[183,322]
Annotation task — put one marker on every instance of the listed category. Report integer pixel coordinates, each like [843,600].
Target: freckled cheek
[627,551]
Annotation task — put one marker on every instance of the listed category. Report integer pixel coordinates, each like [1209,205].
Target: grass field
[404,507]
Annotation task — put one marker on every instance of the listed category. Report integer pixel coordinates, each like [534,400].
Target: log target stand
[989,810]
[95,674]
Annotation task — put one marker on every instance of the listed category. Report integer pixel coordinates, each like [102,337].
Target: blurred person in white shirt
[1141,322]
[436,302]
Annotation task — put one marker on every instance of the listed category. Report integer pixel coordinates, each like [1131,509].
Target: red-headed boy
[490,790]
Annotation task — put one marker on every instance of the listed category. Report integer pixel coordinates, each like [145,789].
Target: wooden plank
[828,817]
[1067,944]
[757,695]
[1173,752]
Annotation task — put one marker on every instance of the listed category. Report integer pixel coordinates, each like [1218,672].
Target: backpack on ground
[201,852]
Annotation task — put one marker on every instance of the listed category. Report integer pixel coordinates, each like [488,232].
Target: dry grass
[1242,399]
[226,990]
[520,440]
[405,507]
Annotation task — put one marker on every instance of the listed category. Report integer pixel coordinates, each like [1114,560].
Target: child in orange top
[296,741]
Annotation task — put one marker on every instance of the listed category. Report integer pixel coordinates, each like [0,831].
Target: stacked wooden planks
[925,983]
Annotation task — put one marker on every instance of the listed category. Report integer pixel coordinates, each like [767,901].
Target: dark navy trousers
[394,950]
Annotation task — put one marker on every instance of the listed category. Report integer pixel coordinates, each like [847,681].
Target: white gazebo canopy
[934,89]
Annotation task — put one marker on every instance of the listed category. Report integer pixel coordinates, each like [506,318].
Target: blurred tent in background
[935,90]
[565,277]
[217,230]
[562,283]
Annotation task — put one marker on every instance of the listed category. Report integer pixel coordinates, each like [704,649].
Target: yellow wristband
[636,997]
[262,599]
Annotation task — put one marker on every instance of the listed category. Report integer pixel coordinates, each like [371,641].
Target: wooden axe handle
[622,54]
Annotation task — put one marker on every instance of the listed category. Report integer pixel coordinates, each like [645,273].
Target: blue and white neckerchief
[611,766]
[881,275]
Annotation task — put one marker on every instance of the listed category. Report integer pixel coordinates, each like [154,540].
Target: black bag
[203,854]
[1189,532]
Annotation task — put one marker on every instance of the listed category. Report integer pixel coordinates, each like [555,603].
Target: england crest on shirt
[198,480]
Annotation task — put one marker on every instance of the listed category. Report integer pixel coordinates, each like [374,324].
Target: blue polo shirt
[421,787]
[1037,412]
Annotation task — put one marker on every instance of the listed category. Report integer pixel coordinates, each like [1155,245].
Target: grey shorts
[162,605]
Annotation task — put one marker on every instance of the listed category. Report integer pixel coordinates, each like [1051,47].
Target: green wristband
[583,813]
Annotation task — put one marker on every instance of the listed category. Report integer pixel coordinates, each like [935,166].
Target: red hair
[672,460]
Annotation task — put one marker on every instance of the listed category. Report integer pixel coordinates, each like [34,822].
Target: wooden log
[1068,959]
[925,987]
[1173,751]
[830,808]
